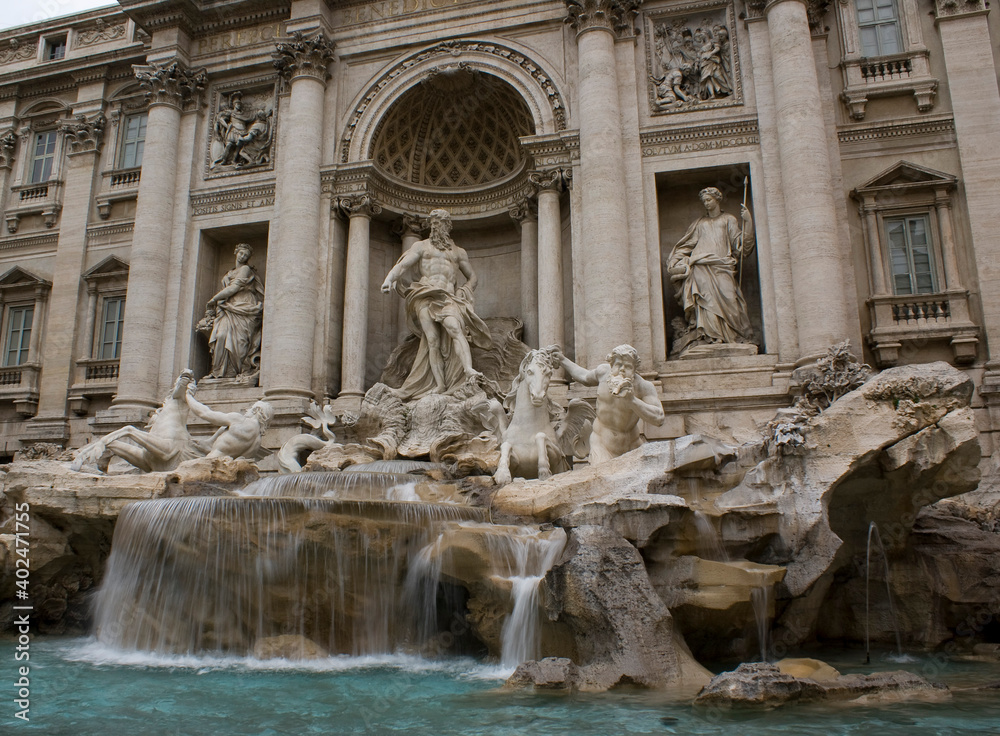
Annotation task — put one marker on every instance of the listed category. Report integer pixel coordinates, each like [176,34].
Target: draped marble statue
[233,320]
[439,311]
[702,267]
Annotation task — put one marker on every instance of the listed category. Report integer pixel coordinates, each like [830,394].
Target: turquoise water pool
[81,689]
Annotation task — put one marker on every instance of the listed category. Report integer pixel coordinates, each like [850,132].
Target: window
[878,24]
[133,141]
[112,323]
[43,155]
[18,334]
[55,48]
[909,243]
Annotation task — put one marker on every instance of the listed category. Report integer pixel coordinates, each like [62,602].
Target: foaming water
[394,466]
[370,485]
[229,575]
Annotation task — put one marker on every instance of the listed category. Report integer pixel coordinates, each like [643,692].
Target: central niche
[458,127]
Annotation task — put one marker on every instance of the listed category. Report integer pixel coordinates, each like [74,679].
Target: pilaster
[525,214]
[359,209]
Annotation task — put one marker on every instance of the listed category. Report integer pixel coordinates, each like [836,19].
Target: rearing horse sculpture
[164,445]
[541,436]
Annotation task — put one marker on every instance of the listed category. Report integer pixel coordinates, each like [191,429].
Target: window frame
[143,117]
[933,246]
[51,156]
[101,320]
[876,23]
[8,332]
[51,44]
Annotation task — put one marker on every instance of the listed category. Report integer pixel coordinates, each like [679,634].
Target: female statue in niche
[702,267]
[233,319]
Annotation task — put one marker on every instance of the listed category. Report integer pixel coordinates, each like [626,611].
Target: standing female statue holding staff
[234,316]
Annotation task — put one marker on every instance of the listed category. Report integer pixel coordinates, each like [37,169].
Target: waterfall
[760,599]
[192,575]
[368,485]
[707,538]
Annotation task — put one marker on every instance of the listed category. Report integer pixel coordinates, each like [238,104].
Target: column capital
[413,225]
[85,135]
[616,16]
[551,179]
[301,56]
[525,210]
[945,9]
[8,142]
[359,205]
[171,83]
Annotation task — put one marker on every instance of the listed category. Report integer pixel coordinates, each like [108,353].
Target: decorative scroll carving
[360,204]
[101,32]
[551,178]
[412,225]
[456,48]
[615,15]
[85,135]
[8,142]
[18,49]
[303,56]
[243,134]
[526,209]
[692,62]
[171,83]
[816,11]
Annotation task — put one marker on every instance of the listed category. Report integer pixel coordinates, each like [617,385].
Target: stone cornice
[197,17]
[29,240]
[171,83]
[232,199]
[710,136]
[85,135]
[113,228]
[897,129]
[300,56]
[617,16]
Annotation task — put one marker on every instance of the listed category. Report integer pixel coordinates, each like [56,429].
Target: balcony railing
[902,325]
[866,78]
[880,69]
[19,383]
[118,186]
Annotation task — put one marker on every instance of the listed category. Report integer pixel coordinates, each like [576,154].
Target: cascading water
[326,560]
[708,540]
[760,599]
[874,533]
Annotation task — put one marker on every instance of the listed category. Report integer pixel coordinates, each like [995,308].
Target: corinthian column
[355,351]
[607,290]
[525,214]
[292,285]
[169,87]
[816,251]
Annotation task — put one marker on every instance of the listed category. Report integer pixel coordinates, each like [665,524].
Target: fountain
[874,533]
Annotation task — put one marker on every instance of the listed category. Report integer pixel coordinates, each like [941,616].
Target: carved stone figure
[439,311]
[702,267]
[244,134]
[164,445]
[692,64]
[239,434]
[233,320]
[539,439]
[623,398]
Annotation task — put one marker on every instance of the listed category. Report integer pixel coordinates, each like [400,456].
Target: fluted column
[355,351]
[816,251]
[84,137]
[525,213]
[868,211]
[169,87]
[292,283]
[551,319]
[607,272]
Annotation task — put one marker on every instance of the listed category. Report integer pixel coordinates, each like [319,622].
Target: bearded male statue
[439,311]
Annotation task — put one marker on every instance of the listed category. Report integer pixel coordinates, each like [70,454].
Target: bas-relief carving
[233,319]
[439,311]
[101,32]
[243,131]
[18,49]
[692,59]
[705,268]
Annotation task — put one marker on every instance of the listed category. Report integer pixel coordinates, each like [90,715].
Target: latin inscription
[392,9]
[239,39]
[242,204]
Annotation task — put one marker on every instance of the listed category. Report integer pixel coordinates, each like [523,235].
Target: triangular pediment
[110,266]
[908,174]
[18,276]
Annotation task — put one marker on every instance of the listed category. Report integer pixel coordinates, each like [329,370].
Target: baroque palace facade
[569,140]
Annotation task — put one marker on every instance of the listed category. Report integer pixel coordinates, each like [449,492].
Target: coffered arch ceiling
[459,127]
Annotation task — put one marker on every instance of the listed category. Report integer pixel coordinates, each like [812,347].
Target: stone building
[569,139]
